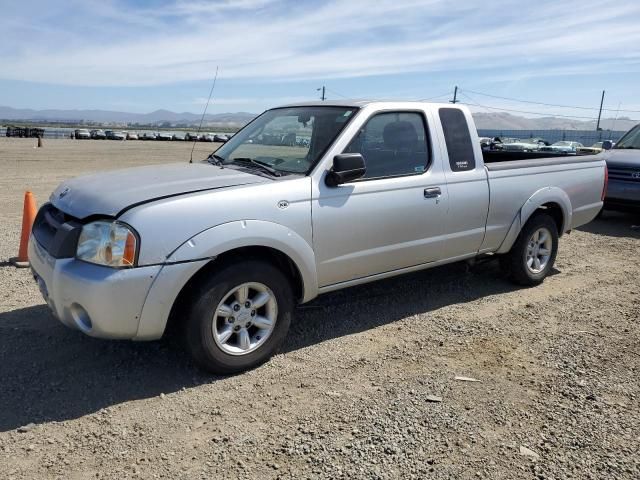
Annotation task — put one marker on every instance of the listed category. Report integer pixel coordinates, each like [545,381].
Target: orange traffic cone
[28,216]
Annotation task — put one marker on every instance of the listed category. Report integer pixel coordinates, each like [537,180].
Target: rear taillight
[606,181]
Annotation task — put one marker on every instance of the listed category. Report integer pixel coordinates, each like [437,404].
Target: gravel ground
[365,386]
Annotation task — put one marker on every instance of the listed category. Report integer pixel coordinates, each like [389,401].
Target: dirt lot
[350,395]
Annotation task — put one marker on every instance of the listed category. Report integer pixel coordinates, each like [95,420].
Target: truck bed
[574,182]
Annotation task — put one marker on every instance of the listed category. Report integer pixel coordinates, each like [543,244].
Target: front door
[394,216]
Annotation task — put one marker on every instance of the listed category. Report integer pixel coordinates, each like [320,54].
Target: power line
[338,94]
[473,102]
[433,98]
[446,94]
[548,104]
[529,101]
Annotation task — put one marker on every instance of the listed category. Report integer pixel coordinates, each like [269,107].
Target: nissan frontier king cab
[305,199]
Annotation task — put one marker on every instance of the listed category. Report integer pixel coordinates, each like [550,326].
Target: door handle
[432,192]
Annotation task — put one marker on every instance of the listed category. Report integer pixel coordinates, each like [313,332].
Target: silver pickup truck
[305,199]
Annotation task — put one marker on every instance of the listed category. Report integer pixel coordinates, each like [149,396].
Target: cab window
[458,140]
[392,144]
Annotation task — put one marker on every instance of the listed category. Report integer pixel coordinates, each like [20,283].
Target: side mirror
[607,145]
[346,167]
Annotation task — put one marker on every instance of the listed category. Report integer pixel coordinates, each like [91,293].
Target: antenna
[203,114]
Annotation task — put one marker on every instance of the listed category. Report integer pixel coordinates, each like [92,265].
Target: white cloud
[262,39]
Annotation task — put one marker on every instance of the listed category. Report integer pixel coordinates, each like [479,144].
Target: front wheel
[533,254]
[239,318]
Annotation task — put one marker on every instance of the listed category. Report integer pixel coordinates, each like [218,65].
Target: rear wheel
[239,317]
[533,254]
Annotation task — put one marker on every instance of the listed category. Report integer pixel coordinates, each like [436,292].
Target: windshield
[562,144]
[631,139]
[289,140]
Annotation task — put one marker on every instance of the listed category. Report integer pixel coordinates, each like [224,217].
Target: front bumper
[99,301]
[622,195]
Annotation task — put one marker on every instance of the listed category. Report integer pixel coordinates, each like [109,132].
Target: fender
[251,233]
[195,253]
[535,201]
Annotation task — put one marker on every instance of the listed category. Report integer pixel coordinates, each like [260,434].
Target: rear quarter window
[458,139]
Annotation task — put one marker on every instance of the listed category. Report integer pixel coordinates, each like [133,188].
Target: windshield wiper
[262,165]
[216,160]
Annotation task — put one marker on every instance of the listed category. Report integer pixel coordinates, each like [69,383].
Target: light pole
[600,112]
[323,97]
[455,95]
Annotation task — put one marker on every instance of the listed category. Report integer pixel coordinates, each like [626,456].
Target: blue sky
[140,56]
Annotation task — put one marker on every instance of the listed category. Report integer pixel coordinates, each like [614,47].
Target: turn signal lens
[129,254]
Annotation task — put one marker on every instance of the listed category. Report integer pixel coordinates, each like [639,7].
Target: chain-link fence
[586,137]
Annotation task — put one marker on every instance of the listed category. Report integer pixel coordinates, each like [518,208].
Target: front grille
[56,231]
[629,174]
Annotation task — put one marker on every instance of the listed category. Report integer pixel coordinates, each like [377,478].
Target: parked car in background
[485,142]
[206,137]
[227,247]
[26,132]
[178,137]
[132,136]
[562,147]
[488,143]
[220,138]
[593,149]
[527,145]
[115,135]
[499,142]
[148,136]
[191,137]
[98,134]
[164,136]
[82,134]
[623,162]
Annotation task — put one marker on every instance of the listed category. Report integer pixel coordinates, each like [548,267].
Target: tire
[516,263]
[220,294]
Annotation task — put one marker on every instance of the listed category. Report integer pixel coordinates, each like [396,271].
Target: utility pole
[324,97]
[455,95]
[600,112]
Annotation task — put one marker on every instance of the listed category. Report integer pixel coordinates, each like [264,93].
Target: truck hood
[623,158]
[109,193]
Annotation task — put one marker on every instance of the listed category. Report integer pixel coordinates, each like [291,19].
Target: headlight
[107,243]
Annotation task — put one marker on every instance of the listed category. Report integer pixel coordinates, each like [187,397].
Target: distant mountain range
[227,119]
[506,121]
[496,121]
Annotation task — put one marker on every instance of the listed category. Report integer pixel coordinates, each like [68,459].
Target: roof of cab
[358,103]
